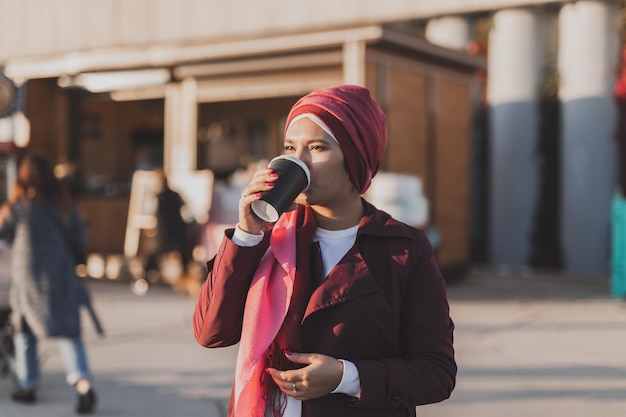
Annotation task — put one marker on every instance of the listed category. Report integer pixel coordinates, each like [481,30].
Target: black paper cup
[294,178]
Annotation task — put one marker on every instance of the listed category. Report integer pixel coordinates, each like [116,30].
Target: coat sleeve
[218,315]
[78,231]
[425,371]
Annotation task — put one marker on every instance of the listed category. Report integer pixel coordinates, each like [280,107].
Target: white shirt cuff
[350,382]
[241,238]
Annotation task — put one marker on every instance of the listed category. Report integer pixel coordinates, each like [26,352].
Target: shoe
[86,402]
[24,395]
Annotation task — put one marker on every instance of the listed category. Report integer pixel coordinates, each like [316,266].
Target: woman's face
[330,182]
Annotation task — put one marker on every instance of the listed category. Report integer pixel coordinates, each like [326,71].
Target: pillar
[354,62]
[588,51]
[512,88]
[180,126]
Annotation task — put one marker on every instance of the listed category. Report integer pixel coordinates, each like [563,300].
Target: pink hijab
[357,123]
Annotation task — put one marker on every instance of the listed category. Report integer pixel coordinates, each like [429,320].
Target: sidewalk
[148,364]
[544,346]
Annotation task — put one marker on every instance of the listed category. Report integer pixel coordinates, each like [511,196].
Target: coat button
[397,395]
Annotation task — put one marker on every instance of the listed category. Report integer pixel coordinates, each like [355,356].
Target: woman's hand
[262,180]
[319,378]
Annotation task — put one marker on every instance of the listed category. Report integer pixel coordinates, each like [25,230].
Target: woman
[367,331]
[45,293]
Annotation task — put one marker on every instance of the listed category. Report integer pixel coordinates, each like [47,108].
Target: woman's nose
[303,155]
[300,153]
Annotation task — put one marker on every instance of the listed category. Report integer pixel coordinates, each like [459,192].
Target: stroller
[7,351]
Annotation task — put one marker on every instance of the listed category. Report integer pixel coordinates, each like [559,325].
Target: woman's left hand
[320,377]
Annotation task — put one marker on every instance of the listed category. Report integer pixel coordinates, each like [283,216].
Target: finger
[284,376]
[249,198]
[304,358]
[274,373]
[265,175]
[286,381]
[263,181]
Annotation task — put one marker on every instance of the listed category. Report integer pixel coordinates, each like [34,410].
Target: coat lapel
[351,278]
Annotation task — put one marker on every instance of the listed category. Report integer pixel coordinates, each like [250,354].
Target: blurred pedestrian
[173,233]
[46,294]
[363,331]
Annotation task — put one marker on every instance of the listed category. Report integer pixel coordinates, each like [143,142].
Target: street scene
[393,158]
[545,346]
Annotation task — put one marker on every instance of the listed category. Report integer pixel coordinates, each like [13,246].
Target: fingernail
[270,184]
[288,352]
[267,370]
[258,195]
[274,175]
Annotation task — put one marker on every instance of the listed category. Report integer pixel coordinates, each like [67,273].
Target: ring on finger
[294,388]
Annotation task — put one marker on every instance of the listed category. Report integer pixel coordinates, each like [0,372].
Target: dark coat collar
[378,223]
[352,277]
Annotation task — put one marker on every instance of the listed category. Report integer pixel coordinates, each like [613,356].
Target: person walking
[172,231]
[46,294]
[363,331]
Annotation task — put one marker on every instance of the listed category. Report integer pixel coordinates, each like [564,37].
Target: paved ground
[546,346]
[542,346]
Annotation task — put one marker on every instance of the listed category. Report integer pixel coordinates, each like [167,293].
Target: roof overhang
[184,57]
[170,55]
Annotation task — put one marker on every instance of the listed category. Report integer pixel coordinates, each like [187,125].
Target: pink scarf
[267,306]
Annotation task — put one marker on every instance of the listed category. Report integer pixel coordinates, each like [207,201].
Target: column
[588,51]
[451,32]
[180,126]
[512,87]
[354,62]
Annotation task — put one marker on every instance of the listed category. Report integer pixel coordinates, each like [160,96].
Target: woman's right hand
[263,180]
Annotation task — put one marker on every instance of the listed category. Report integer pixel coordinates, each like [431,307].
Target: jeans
[27,363]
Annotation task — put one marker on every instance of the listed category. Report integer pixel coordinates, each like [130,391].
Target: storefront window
[226,146]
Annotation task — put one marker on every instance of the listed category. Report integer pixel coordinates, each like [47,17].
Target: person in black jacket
[171,229]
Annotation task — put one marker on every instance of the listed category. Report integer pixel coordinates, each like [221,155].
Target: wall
[428,110]
[35,27]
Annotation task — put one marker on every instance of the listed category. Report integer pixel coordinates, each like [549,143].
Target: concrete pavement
[537,346]
[540,346]
[148,364]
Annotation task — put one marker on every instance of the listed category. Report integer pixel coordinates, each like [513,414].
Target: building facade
[112,86]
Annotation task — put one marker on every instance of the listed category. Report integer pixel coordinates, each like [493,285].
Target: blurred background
[507,143]
[507,114]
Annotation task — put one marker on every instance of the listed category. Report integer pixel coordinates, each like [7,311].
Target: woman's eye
[288,148]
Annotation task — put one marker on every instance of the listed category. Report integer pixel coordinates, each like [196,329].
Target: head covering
[356,122]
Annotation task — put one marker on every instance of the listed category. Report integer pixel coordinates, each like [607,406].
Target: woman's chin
[303,199]
[302,202]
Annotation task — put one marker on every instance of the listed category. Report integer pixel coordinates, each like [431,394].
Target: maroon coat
[383,307]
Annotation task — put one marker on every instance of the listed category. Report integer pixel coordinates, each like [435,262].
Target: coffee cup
[294,178]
